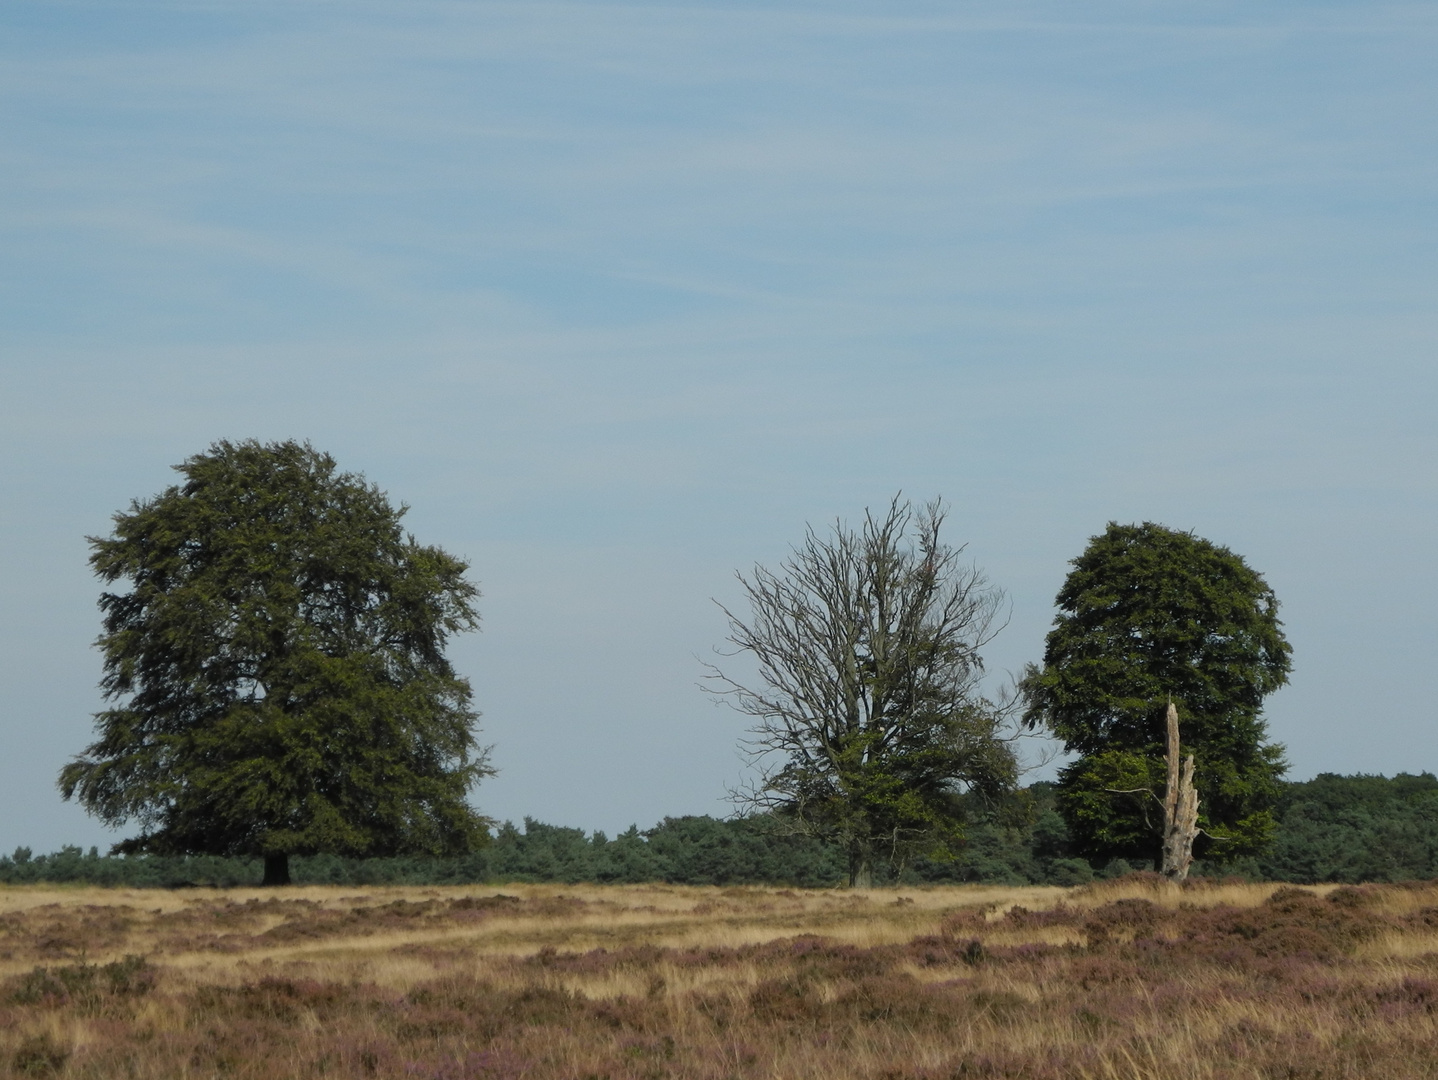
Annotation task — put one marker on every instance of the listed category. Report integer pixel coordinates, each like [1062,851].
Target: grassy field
[1133,978]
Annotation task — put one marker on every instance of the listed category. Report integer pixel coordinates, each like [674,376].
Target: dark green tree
[1355,828]
[278,670]
[871,725]
[1149,615]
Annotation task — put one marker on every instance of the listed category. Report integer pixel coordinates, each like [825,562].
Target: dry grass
[1127,979]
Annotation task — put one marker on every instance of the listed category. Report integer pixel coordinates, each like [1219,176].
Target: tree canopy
[1148,615]
[278,669]
[871,725]
[1356,828]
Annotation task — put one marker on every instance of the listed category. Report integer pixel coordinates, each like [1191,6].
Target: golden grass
[673,917]
[1130,978]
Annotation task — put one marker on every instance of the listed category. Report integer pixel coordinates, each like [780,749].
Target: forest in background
[1345,829]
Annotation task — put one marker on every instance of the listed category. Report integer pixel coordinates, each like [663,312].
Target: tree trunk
[861,867]
[277,870]
[1180,808]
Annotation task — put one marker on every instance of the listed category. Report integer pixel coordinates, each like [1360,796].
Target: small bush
[40,1055]
[1131,918]
[787,1001]
[83,985]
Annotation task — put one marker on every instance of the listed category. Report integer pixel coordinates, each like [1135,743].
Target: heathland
[1134,977]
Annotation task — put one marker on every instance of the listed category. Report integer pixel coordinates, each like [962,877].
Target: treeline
[1331,829]
[684,850]
[1338,829]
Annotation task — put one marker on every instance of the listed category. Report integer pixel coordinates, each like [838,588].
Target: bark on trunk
[861,867]
[1180,807]
[277,870]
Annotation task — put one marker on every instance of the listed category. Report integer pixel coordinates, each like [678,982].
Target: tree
[1355,828]
[1151,615]
[871,725]
[278,670]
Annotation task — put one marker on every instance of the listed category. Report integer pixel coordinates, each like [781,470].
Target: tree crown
[1151,615]
[1148,614]
[868,645]
[278,667]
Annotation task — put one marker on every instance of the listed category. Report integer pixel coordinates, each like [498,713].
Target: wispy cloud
[619,295]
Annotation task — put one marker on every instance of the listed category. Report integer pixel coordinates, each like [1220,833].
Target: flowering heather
[1130,978]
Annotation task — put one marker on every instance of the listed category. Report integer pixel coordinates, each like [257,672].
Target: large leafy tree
[277,670]
[1149,615]
[870,725]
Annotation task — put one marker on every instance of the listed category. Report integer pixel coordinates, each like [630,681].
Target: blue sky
[617,297]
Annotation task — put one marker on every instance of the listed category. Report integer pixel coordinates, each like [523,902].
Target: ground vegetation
[1127,978]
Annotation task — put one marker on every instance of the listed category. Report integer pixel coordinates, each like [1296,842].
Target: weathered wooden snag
[1180,807]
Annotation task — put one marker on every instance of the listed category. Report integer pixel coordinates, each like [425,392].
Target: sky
[618,297]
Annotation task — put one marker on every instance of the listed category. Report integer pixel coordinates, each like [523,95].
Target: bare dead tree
[870,721]
[1180,807]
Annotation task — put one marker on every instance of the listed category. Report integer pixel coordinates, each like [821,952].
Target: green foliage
[545,853]
[1108,799]
[1149,614]
[71,865]
[1330,829]
[1355,828]
[870,723]
[684,850]
[743,851]
[1018,840]
[278,669]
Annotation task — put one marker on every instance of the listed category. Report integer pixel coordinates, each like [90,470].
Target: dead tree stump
[1180,808]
